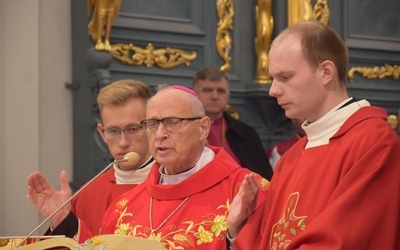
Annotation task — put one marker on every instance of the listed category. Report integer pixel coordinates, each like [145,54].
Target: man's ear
[205,125]
[328,71]
[100,130]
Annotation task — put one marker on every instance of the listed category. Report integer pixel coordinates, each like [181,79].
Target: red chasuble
[197,223]
[343,195]
[93,201]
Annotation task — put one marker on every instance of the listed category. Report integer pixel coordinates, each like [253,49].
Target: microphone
[130,158]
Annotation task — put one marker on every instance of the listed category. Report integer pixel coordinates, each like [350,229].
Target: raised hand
[243,205]
[47,199]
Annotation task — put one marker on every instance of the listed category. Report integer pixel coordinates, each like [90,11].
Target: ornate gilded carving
[232,110]
[393,121]
[377,72]
[166,58]
[321,11]
[104,12]
[299,11]
[264,28]
[302,10]
[223,38]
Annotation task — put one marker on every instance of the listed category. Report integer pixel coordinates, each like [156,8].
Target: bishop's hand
[243,205]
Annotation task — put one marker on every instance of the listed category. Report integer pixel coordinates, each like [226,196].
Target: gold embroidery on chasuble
[289,224]
[264,183]
[187,234]
[122,203]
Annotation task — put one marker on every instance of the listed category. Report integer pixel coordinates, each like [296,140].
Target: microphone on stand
[130,158]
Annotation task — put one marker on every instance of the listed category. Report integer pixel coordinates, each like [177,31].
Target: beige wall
[35,107]
[2,113]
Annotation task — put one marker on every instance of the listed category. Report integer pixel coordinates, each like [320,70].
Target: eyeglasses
[115,133]
[171,124]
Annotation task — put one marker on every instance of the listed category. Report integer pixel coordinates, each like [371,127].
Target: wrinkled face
[179,150]
[118,117]
[214,95]
[298,89]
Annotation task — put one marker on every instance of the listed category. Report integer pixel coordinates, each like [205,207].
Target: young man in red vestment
[122,106]
[339,186]
[240,140]
[185,200]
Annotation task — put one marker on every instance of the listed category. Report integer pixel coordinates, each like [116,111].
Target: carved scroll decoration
[223,38]
[302,10]
[264,28]
[321,11]
[165,58]
[376,72]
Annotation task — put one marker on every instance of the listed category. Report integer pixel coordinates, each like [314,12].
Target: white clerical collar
[206,156]
[134,176]
[320,131]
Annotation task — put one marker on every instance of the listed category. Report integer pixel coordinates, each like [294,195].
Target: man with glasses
[185,199]
[122,106]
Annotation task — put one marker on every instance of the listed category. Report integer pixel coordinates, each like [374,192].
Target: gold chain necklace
[153,231]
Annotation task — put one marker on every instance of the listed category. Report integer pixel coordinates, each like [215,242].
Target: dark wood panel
[371,24]
[160,8]
[175,16]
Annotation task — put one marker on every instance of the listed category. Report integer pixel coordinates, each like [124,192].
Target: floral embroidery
[123,229]
[288,226]
[203,236]
[219,225]
[212,227]
[122,203]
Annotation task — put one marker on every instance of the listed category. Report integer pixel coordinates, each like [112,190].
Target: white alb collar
[206,156]
[320,131]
